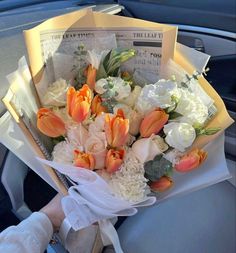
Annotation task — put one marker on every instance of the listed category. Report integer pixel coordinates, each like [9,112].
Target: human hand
[54,212]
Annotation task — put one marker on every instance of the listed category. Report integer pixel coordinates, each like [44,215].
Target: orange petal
[49,123]
[120,132]
[153,122]
[70,95]
[162,184]
[114,159]
[191,160]
[91,76]
[86,92]
[83,160]
[108,129]
[97,107]
[80,111]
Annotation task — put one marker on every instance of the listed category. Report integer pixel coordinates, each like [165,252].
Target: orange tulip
[116,129]
[90,73]
[191,160]
[49,123]
[83,160]
[153,122]
[114,159]
[162,184]
[78,103]
[97,106]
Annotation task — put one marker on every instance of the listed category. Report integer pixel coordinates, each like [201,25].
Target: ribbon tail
[64,231]
[109,235]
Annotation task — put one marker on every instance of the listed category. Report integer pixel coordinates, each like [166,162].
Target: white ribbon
[90,200]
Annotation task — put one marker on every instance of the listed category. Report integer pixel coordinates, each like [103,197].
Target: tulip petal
[114,159]
[91,76]
[83,160]
[162,184]
[108,129]
[153,123]
[191,160]
[120,132]
[70,95]
[49,123]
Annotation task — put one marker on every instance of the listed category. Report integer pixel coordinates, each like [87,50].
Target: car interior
[201,221]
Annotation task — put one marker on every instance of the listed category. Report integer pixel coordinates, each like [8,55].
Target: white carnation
[129,182]
[192,108]
[157,95]
[63,152]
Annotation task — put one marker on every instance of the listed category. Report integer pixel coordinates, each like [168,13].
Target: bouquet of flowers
[132,136]
[119,133]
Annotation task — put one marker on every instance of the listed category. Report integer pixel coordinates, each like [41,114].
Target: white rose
[63,152]
[96,145]
[179,135]
[192,108]
[77,135]
[157,95]
[146,149]
[98,125]
[56,94]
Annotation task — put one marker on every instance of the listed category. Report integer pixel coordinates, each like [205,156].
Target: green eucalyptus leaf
[157,168]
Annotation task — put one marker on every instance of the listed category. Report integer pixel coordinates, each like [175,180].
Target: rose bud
[84,160]
[116,129]
[78,103]
[97,106]
[49,123]
[191,160]
[162,184]
[90,73]
[114,159]
[153,122]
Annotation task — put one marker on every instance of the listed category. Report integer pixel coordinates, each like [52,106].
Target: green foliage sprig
[157,168]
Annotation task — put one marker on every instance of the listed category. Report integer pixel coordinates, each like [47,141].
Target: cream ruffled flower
[179,135]
[192,108]
[157,95]
[129,182]
[56,94]
[63,152]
